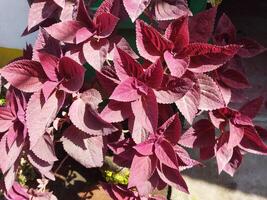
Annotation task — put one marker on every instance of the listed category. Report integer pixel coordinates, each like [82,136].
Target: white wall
[13,21]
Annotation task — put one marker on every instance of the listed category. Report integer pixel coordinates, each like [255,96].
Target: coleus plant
[128,104]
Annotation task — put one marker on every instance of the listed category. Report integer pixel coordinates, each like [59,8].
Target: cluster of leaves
[129,105]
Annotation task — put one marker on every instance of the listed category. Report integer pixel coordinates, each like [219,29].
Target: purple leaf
[250,48]
[234,79]
[109,6]
[25,75]
[50,65]
[85,149]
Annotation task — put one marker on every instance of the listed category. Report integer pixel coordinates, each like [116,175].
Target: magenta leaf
[125,65]
[49,64]
[105,24]
[25,75]
[178,33]
[135,8]
[145,148]
[165,153]
[109,6]
[150,43]
[73,74]
[39,114]
[172,177]
[210,95]
[85,149]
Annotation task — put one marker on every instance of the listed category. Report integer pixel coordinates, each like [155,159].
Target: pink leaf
[141,170]
[150,43]
[116,111]
[72,74]
[145,148]
[6,119]
[234,163]
[165,153]
[25,75]
[83,34]
[95,53]
[39,114]
[236,135]
[39,11]
[125,65]
[201,25]
[85,149]
[176,66]
[173,89]
[251,108]
[129,90]
[44,149]
[105,24]
[189,103]
[210,95]
[65,31]
[87,119]
[135,8]
[145,111]
[167,11]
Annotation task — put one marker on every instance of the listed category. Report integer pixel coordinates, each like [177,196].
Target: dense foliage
[81,84]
